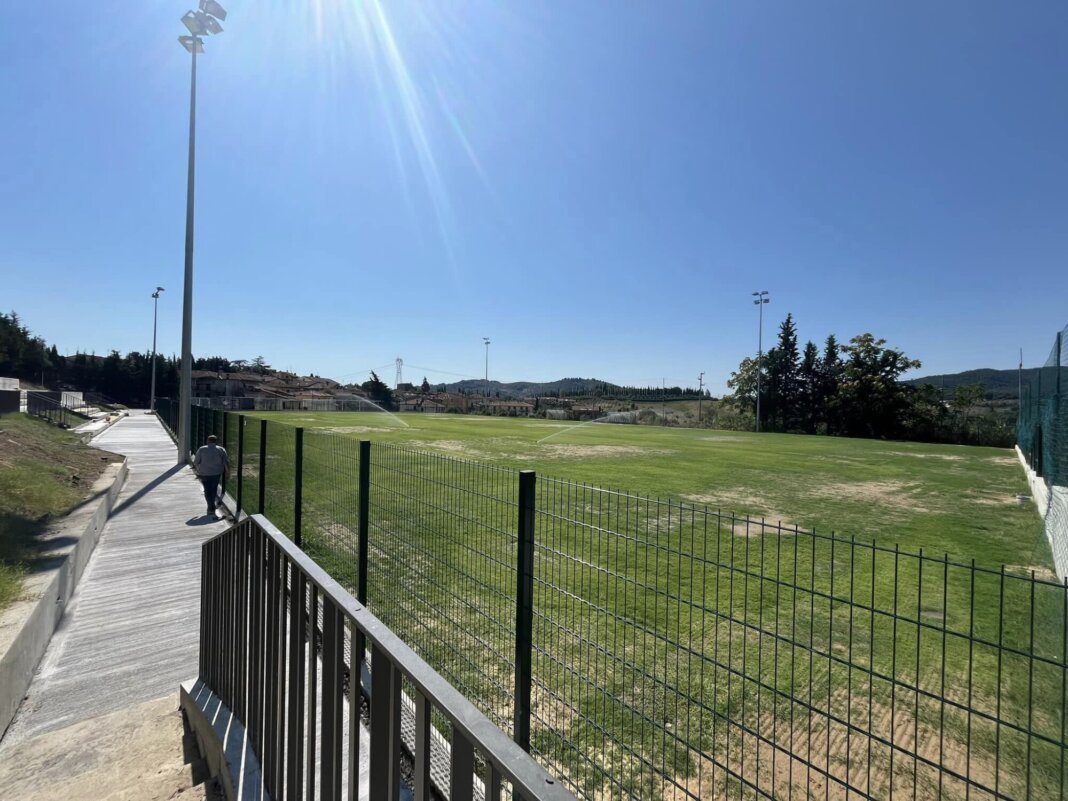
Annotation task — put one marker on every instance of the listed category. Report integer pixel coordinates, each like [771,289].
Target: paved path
[133,623]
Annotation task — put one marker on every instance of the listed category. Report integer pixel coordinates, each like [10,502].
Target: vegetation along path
[130,632]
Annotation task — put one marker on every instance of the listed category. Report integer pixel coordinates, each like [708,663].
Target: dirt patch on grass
[723,438]
[1041,572]
[988,498]
[585,451]
[811,755]
[362,429]
[946,457]
[895,495]
[743,505]
[1005,460]
[453,447]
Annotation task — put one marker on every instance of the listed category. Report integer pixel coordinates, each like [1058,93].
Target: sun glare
[410,58]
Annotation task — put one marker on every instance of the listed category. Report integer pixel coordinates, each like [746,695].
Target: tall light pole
[760,299]
[155,318]
[199,23]
[700,395]
[486,340]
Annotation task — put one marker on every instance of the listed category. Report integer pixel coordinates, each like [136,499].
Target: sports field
[681,654]
[943,498]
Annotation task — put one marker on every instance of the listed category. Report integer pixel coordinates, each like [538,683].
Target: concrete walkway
[131,631]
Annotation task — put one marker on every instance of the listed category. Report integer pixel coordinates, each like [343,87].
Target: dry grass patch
[892,495]
[584,451]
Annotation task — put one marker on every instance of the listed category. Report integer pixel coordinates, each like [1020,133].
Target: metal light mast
[761,299]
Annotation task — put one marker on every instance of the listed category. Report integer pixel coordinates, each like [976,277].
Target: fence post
[364,501]
[524,609]
[1057,364]
[263,465]
[240,463]
[298,485]
[225,426]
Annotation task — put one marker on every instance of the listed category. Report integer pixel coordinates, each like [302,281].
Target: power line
[443,372]
[368,370]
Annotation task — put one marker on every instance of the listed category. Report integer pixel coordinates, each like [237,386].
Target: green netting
[1042,435]
[1040,430]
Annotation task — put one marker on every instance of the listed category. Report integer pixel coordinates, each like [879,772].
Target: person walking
[211,463]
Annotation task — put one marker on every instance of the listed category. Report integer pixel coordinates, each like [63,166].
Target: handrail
[259,592]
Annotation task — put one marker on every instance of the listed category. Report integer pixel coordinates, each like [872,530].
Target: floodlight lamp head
[211,25]
[189,42]
[192,21]
[213,8]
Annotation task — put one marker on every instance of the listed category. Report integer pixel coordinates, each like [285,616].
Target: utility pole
[700,396]
[1019,389]
[761,299]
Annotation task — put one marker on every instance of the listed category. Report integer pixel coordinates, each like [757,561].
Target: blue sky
[596,186]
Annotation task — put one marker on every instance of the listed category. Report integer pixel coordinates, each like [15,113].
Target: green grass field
[942,498]
[679,652]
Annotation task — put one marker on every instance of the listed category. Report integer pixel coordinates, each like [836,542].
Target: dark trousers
[211,489]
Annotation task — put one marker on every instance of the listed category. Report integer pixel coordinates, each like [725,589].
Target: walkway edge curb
[36,620]
[223,742]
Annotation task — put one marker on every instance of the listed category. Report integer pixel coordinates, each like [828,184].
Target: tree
[259,365]
[378,391]
[830,372]
[742,383]
[781,385]
[425,386]
[965,398]
[809,406]
[871,401]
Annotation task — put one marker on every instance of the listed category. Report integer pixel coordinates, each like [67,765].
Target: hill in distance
[528,389]
[998,383]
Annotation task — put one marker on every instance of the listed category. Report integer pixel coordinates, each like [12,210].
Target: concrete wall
[26,627]
[1052,503]
[10,400]
[9,383]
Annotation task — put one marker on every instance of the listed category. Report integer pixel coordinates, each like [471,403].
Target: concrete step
[142,752]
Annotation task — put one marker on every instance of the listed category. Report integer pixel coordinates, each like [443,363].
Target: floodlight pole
[486,340]
[186,385]
[700,396]
[761,299]
[155,319]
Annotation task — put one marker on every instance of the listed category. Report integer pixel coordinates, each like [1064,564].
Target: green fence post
[364,506]
[1057,364]
[298,485]
[524,609]
[263,464]
[225,426]
[240,463]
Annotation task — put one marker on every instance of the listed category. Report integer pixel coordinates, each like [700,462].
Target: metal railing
[42,405]
[284,646]
[656,649]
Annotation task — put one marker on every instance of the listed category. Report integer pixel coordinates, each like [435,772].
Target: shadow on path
[146,489]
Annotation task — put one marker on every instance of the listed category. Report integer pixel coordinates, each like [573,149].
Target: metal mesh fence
[1042,436]
[247,457]
[441,568]
[680,653]
[279,476]
[330,514]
